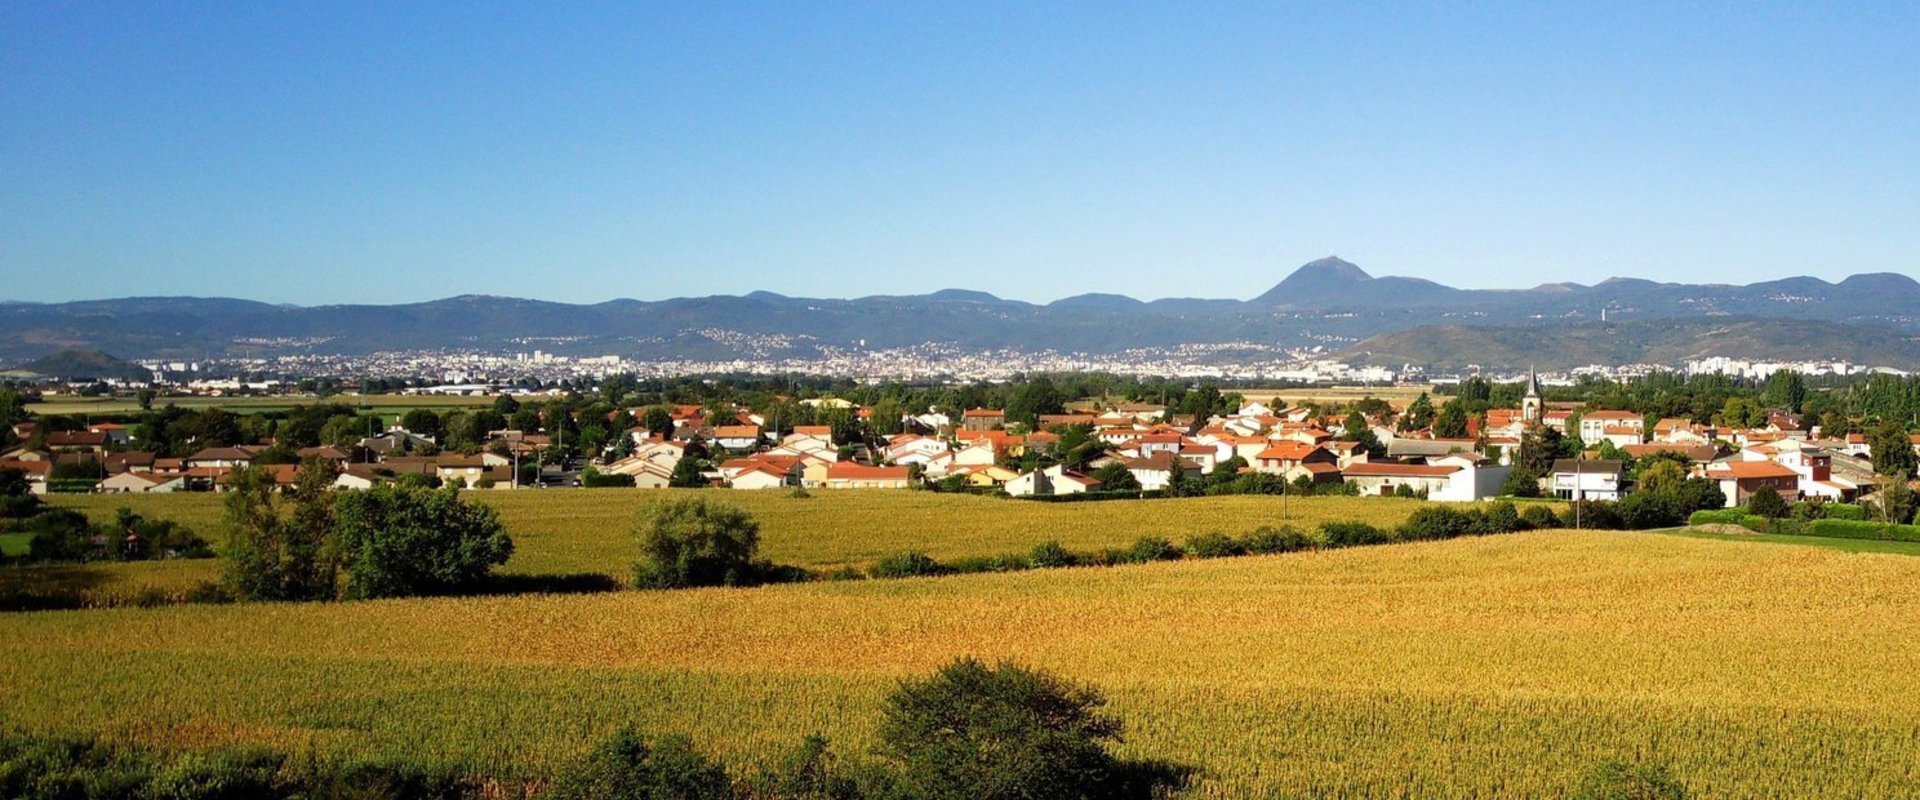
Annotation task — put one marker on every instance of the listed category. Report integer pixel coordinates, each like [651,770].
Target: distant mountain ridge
[1329,303]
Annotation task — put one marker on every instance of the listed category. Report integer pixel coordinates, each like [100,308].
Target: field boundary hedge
[1822,528]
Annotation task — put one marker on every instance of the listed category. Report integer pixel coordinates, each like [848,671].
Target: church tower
[1532,408]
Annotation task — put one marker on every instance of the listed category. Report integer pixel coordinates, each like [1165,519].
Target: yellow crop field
[586,531]
[1487,667]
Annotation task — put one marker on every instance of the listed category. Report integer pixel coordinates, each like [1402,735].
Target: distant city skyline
[378,154]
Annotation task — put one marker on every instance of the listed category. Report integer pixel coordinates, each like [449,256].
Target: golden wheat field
[588,530]
[1487,667]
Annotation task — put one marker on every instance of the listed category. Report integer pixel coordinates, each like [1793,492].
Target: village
[1115,450]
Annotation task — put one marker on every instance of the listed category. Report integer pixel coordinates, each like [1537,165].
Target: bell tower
[1532,407]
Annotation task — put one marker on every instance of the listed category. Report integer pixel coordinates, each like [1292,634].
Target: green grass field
[588,530]
[1488,667]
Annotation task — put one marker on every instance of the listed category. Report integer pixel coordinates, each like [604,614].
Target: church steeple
[1532,407]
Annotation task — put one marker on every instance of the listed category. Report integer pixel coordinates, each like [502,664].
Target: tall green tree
[397,541]
[1891,450]
[274,552]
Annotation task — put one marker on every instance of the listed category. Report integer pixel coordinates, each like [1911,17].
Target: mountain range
[1328,303]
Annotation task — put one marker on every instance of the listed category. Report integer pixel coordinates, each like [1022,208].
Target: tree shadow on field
[1152,779]
[45,587]
[545,583]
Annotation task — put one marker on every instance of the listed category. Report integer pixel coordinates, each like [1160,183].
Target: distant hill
[79,365]
[1563,345]
[1329,303]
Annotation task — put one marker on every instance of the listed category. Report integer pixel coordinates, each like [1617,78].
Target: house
[990,476]
[820,433]
[1740,479]
[221,458]
[1814,465]
[1454,479]
[360,476]
[129,461]
[1681,431]
[1283,458]
[737,437]
[284,476]
[325,453]
[1696,453]
[118,435]
[1385,478]
[1158,472]
[1588,479]
[983,419]
[466,472]
[978,454]
[1620,427]
[77,442]
[849,475]
[1051,480]
[36,472]
[141,483]
[765,475]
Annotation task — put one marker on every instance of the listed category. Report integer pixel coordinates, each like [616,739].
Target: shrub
[1540,516]
[1352,534]
[1623,780]
[1001,563]
[1845,511]
[693,541]
[1436,522]
[1050,554]
[1729,516]
[1766,502]
[1286,539]
[1214,545]
[906,565]
[974,732]
[1500,517]
[396,541]
[594,479]
[808,772]
[1150,548]
[1859,529]
[629,766]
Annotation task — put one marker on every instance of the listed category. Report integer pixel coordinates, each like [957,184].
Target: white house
[1585,479]
[1052,480]
[1453,480]
[1620,427]
[141,483]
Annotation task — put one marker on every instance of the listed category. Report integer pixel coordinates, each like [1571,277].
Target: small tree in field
[1625,780]
[273,553]
[974,732]
[629,766]
[396,541]
[690,541]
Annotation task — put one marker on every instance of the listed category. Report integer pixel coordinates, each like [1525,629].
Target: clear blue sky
[323,152]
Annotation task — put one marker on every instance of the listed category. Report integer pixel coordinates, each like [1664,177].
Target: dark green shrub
[692,541]
[1625,780]
[397,541]
[1285,539]
[1151,548]
[1050,554]
[1000,563]
[808,772]
[1213,545]
[974,732]
[1766,502]
[1436,522]
[1845,511]
[1539,515]
[629,766]
[906,565]
[1352,534]
[1728,516]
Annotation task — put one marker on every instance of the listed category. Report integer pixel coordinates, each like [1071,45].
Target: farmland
[390,404]
[1496,666]
[586,531]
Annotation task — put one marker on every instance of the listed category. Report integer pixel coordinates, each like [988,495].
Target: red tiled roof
[1385,470]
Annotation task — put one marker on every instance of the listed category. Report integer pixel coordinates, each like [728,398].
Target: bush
[1855,529]
[1500,517]
[1436,522]
[1013,562]
[396,541]
[808,772]
[974,732]
[1623,780]
[1050,554]
[1352,534]
[1729,516]
[629,766]
[594,479]
[1150,548]
[1766,502]
[1540,516]
[1286,539]
[1214,545]
[1845,511]
[692,541]
[906,565]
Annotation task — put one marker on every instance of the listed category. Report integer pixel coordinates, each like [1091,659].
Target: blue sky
[327,152]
